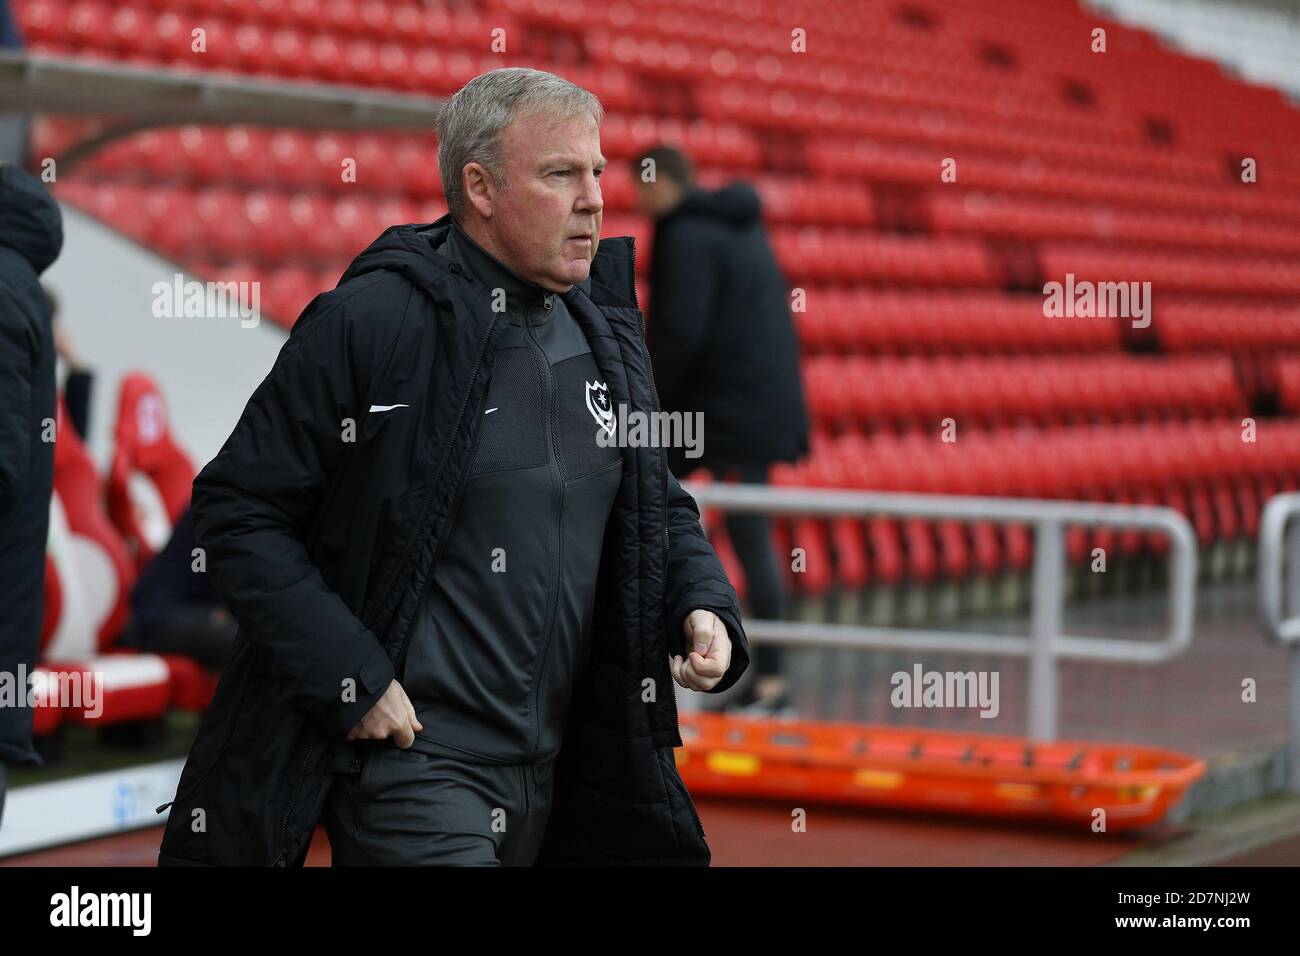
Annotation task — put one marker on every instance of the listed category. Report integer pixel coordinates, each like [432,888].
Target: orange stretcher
[972,774]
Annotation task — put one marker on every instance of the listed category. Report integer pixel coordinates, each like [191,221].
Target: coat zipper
[284,825]
[553,597]
[663,504]
[635,304]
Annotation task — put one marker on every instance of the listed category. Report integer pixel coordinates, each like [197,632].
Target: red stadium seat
[92,560]
[150,477]
[94,574]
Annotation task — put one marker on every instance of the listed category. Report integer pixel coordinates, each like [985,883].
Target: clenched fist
[710,653]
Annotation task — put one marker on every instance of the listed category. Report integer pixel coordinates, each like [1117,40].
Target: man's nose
[590,201]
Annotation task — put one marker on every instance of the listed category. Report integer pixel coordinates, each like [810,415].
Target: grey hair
[469,125]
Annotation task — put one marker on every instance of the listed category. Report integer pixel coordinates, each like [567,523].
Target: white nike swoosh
[492,409]
[386,408]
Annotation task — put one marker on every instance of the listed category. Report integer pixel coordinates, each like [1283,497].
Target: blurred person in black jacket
[78,378]
[722,343]
[31,235]
[15,135]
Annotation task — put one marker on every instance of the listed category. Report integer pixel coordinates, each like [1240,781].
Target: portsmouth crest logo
[599,405]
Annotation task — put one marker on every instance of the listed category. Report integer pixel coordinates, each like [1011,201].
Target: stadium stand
[923,177]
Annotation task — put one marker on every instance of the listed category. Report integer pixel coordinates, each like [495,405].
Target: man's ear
[480,189]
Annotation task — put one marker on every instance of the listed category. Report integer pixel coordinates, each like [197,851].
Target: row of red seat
[1025,172]
[823,255]
[943,321]
[1168,271]
[418,22]
[1051,463]
[885,320]
[1203,469]
[972,212]
[285,158]
[323,50]
[1187,324]
[847,554]
[1044,389]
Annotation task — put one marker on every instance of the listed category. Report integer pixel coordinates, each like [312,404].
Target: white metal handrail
[1274,524]
[1045,644]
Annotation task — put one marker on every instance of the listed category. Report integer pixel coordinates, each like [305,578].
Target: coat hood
[30,221]
[412,250]
[737,202]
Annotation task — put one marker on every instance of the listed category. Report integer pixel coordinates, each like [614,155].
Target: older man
[460,612]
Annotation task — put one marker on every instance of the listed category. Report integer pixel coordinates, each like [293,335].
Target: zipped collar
[524,299]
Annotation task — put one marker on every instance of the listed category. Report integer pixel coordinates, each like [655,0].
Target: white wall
[207,367]
[1261,44]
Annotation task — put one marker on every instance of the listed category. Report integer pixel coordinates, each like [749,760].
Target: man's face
[553,167]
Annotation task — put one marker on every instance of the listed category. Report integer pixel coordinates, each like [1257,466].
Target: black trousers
[395,807]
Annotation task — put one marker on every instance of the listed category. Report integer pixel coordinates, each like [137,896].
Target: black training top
[504,627]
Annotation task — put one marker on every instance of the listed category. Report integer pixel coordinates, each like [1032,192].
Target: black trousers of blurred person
[173,610]
[751,536]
